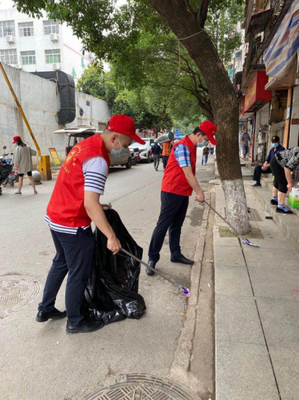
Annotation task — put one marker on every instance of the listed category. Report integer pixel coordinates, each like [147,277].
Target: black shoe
[274,202]
[55,314]
[148,271]
[85,326]
[256,184]
[286,211]
[182,260]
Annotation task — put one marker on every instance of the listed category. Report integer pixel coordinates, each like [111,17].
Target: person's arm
[288,174]
[200,196]
[32,152]
[16,158]
[97,215]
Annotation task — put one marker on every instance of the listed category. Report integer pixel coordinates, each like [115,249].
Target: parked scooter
[7,174]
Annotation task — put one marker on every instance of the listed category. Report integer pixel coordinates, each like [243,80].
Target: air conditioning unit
[54,37]
[10,39]
[56,66]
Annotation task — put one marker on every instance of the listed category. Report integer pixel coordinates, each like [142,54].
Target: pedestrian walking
[211,147]
[166,149]
[205,155]
[22,160]
[73,206]
[282,164]
[178,183]
[265,168]
[156,149]
[245,139]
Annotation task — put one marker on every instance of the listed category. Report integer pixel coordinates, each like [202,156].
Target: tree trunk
[224,104]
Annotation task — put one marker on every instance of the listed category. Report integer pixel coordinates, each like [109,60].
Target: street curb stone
[180,366]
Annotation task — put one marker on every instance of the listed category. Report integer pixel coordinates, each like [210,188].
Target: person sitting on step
[276,147]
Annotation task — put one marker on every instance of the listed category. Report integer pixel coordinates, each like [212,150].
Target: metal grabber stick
[244,240]
[183,289]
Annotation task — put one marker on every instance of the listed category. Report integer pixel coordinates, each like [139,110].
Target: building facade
[39,44]
[269,94]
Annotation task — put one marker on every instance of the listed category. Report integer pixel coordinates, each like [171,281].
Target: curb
[179,370]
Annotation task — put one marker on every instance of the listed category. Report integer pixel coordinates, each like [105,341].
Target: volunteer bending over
[72,207]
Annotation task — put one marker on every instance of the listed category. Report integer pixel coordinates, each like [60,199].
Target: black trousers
[172,215]
[280,180]
[258,172]
[165,161]
[74,255]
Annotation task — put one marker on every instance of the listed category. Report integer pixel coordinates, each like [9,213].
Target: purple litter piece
[186,291]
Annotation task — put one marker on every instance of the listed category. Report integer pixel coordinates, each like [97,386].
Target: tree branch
[190,10]
[202,12]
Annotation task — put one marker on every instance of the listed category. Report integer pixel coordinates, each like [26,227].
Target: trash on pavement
[243,240]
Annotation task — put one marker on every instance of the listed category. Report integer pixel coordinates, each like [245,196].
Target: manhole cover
[142,387]
[15,291]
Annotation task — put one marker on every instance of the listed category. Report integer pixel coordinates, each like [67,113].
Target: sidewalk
[257,313]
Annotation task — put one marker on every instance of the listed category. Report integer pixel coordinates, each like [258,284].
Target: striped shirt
[95,171]
[182,155]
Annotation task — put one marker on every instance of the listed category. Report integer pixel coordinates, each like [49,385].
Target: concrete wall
[40,101]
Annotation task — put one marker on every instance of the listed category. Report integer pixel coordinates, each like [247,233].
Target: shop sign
[256,90]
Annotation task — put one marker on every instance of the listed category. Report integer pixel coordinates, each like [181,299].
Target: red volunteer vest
[66,206]
[174,180]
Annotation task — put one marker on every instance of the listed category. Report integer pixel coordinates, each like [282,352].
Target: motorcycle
[7,174]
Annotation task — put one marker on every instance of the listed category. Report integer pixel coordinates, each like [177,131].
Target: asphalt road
[40,361]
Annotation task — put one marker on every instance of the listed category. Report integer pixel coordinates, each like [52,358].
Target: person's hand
[200,197]
[290,187]
[113,244]
[264,166]
[109,206]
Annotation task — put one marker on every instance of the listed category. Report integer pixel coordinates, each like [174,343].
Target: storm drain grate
[15,292]
[142,387]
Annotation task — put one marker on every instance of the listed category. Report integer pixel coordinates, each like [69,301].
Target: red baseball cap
[15,139]
[209,129]
[124,125]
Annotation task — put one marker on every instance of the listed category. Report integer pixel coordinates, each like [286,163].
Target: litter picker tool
[183,289]
[243,240]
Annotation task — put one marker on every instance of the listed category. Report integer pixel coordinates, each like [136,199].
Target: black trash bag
[112,293]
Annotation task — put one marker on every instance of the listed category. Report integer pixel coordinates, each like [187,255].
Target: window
[7,28]
[9,56]
[28,57]
[26,29]
[50,27]
[53,56]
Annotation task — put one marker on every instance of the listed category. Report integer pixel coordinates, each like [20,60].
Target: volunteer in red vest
[178,183]
[73,206]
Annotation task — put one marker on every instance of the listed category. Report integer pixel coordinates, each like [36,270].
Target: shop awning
[281,53]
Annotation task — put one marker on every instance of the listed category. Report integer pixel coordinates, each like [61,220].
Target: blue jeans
[74,255]
[245,150]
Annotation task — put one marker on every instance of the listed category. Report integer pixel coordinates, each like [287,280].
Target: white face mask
[202,144]
[118,153]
